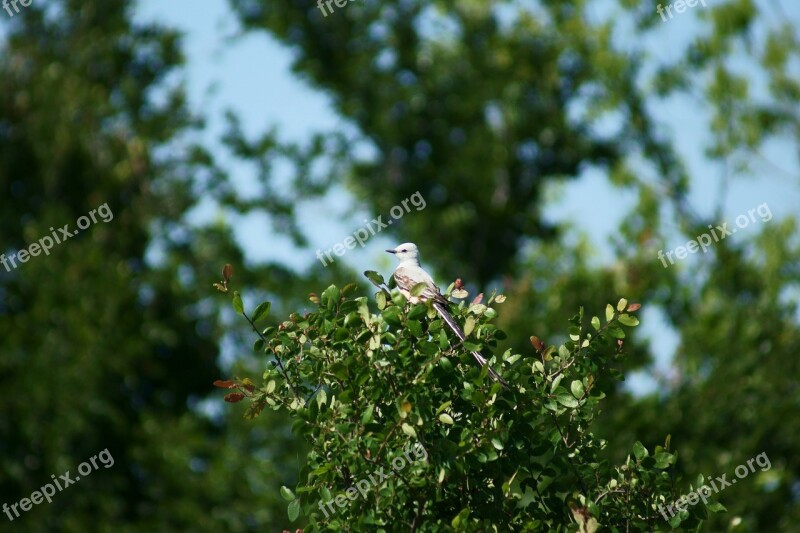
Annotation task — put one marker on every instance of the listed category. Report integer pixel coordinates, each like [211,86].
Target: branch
[278,359]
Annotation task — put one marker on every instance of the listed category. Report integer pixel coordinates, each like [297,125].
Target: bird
[408,274]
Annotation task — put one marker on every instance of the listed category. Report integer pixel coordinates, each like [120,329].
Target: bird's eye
[403,250]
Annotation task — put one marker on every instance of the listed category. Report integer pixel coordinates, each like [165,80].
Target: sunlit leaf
[261,311]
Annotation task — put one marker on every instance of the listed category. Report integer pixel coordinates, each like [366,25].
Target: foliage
[362,386]
[486,107]
[103,345]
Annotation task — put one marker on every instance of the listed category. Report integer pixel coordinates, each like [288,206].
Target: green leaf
[609,313]
[622,304]
[418,311]
[392,315]
[348,289]
[408,430]
[616,332]
[445,418]
[664,460]
[366,418]
[287,494]
[596,323]
[460,294]
[330,297]
[639,451]
[237,303]
[380,298]
[628,320]
[574,333]
[567,400]
[415,327]
[341,334]
[418,289]
[322,397]
[473,346]
[325,493]
[443,341]
[375,278]
[548,352]
[462,516]
[469,325]
[716,507]
[294,510]
[497,443]
[577,388]
[261,311]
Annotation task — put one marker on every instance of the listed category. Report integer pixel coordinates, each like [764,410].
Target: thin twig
[278,359]
[420,506]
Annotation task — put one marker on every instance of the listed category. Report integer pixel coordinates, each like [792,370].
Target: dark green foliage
[102,347]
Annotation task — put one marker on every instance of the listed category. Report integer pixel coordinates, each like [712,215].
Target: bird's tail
[447,317]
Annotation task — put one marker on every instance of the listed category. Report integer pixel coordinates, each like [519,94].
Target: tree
[104,347]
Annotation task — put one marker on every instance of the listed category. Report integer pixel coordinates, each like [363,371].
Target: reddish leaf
[227,384]
[227,272]
[249,388]
[458,284]
[634,307]
[478,299]
[234,397]
[539,345]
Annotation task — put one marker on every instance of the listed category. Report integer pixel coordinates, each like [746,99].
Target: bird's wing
[409,276]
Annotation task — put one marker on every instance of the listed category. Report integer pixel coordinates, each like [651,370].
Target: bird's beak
[391,251]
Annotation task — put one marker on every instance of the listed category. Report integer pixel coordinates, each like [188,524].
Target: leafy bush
[408,433]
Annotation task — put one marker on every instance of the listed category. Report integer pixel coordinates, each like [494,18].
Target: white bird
[408,274]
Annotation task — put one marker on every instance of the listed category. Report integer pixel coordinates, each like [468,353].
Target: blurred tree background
[486,108]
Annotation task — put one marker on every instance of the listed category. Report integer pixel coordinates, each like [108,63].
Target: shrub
[408,433]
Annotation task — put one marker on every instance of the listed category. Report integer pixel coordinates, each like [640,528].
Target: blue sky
[251,75]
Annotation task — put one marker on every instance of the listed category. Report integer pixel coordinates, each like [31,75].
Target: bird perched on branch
[409,274]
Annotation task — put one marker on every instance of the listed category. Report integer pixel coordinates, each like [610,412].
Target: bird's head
[406,251]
